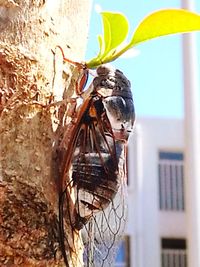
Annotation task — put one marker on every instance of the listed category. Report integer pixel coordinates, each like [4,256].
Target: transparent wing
[92,163]
[101,236]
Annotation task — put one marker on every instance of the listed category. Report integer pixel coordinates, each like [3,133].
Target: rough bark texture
[32,76]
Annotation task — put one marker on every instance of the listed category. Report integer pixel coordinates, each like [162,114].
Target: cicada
[94,168]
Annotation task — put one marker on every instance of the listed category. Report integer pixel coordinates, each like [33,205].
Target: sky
[156,73]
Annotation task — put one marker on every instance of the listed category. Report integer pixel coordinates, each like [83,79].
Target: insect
[93,174]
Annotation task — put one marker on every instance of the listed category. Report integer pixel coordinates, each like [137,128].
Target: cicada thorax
[118,100]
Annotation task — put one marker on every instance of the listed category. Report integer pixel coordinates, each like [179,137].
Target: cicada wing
[95,163]
[92,180]
[66,202]
[101,236]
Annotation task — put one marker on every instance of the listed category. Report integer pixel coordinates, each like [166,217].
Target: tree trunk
[32,76]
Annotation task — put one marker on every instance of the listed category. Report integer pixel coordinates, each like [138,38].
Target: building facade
[156,233]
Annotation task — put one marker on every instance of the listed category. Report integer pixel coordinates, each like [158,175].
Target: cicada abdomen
[97,164]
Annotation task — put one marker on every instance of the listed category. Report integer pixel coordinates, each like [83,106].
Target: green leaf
[115,30]
[159,23]
[165,22]
[101,48]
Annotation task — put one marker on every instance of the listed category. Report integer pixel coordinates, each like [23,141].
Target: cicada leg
[61,228]
[80,85]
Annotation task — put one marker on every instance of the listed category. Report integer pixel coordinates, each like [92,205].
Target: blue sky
[156,73]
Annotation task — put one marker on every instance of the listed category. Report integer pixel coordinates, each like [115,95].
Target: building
[156,233]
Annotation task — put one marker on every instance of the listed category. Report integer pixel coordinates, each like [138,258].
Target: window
[173,253]
[122,259]
[171,181]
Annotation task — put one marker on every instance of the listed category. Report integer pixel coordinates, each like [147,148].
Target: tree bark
[32,76]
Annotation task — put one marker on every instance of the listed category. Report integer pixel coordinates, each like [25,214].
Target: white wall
[146,223]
